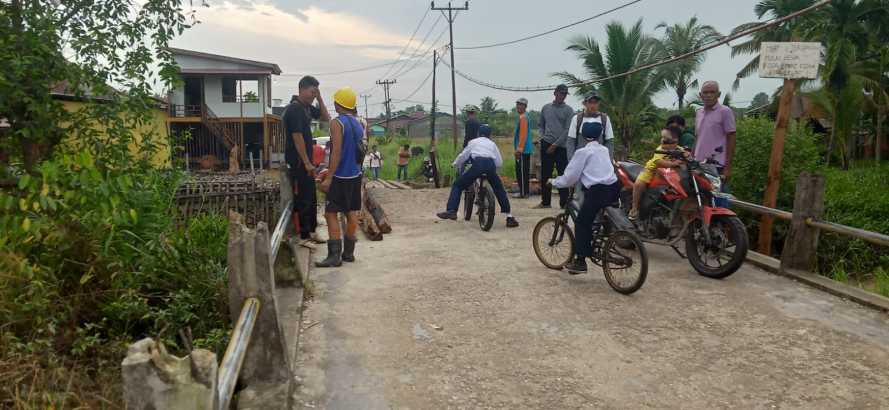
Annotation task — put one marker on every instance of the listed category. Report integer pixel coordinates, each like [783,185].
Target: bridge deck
[515,335]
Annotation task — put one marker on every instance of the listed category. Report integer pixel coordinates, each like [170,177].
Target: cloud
[308,26]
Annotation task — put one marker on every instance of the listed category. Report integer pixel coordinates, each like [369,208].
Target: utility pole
[365,97]
[451,10]
[387,100]
[432,149]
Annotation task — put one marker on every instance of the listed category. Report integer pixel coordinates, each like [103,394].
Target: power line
[415,52]
[421,58]
[355,70]
[506,43]
[409,41]
[419,87]
[655,64]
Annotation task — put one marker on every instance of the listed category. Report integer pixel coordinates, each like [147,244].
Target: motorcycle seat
[633,169]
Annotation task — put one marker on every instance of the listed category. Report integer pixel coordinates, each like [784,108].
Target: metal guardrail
[278,234]
[235,352]
[872,237]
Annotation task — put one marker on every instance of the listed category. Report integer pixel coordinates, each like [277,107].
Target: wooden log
[366,220]
[377,212]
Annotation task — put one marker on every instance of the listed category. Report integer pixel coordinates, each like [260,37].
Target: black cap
[592,97]
[562,88]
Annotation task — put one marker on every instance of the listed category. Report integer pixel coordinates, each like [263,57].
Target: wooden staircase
[228,133]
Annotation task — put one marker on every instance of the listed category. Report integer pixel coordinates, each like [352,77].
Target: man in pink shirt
[715,129]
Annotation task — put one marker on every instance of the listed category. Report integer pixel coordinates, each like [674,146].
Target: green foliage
[104,242]
[752,155]
[856,198]
[445,155]
[680,39]
[83,48]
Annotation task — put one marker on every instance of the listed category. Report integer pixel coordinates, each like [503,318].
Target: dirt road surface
[440,315]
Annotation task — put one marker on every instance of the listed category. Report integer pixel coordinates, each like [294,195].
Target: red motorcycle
[686,203]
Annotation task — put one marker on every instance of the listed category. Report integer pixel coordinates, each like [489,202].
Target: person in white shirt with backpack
[591,121]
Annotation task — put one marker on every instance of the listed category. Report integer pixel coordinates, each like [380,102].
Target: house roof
[267,68]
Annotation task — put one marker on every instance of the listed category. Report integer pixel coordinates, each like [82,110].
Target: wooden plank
[801,245]
[376,212]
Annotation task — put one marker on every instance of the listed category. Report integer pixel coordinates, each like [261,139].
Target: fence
[801,244]
[256,202]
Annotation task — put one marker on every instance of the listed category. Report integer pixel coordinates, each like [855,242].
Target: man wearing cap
[470,130]
[555,118]
[524,147]
[590,122]
[342,184]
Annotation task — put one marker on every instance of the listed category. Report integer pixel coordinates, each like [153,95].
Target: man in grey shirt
[554,120]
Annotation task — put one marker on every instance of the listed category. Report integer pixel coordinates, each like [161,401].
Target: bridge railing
[801,244]
[257,355]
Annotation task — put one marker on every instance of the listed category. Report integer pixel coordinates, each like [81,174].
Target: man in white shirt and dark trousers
[485,156]
[592,167]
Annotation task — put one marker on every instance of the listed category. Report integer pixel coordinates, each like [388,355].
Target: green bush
[91,259]
[752,156]
[857,197]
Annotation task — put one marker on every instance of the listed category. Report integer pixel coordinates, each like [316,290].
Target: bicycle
[482,195]
[616,248]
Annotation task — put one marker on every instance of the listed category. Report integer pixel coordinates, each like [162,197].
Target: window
[234,90]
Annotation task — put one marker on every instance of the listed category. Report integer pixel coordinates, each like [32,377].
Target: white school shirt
[376,160]
[481,147]
[591,165]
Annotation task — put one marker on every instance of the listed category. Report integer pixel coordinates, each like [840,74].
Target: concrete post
[801,246]
[153,379]
[251,275]
[286,188]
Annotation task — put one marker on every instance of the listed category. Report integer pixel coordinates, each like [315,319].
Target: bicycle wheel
[468,203]
[486,209]
[624,262]
[553,243]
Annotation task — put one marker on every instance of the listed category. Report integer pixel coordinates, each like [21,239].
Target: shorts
[645,176]
[344,195]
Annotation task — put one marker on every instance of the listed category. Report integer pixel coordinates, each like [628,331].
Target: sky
[320,37]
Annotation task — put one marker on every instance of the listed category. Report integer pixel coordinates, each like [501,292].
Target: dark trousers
[402,170]
[595,199]
[523,173]
[559,160]
[479,166]
[305,200]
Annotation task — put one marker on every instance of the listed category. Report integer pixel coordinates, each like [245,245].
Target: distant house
[224,103]
[417,125]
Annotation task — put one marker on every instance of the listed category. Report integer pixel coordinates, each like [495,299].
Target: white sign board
[789,60]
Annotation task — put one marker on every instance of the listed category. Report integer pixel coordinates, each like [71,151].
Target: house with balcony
[222,111]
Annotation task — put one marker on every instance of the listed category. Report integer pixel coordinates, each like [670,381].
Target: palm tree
[847,37]
[794,29]
[680,39]
[626,99]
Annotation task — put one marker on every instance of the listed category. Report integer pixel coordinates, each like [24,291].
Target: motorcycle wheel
[726,251]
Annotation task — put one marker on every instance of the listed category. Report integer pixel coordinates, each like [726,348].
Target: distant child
[404,158]
[669,140]
[376,162]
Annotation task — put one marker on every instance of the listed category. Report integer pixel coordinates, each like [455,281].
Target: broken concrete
[251,275]
[154,379]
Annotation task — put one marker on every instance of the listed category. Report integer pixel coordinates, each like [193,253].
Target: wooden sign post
[790,61]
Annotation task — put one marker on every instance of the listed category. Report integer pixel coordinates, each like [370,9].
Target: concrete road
[440,315]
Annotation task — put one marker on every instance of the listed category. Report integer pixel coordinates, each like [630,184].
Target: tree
[113,49]
[794,29]
[680,39]
[627,99]
[760,100]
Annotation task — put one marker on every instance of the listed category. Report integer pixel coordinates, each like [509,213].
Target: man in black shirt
[297,121]
[472,124]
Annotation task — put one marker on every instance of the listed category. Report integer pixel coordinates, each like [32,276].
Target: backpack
[580,125]
[360,146]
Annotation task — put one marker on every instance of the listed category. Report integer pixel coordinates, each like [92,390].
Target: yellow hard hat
[346,98]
